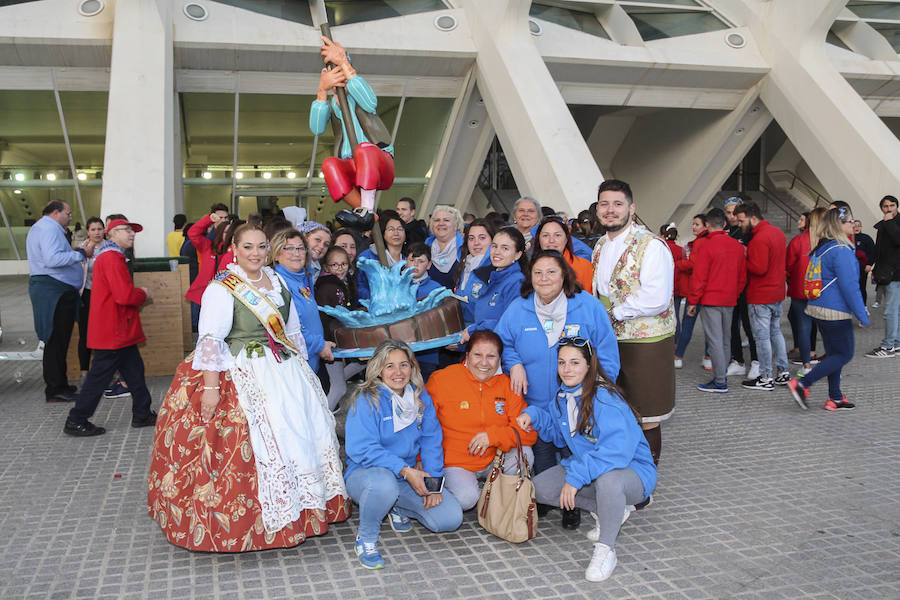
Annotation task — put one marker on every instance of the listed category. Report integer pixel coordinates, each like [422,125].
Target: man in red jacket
[766,253]
[715,288]
[114,331]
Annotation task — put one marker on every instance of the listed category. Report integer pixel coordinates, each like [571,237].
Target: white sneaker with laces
[603,563]
[593,534]
[735,368]
[753,373]
[679,363]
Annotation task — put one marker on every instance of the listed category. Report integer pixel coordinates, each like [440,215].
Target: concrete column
[848,147]
[546,152]
[139,161]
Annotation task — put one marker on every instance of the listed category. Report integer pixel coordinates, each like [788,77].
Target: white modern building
[155,107]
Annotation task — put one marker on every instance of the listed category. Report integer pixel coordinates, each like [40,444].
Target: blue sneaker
[712,386]
[368,555]
[118,390]
[399,523]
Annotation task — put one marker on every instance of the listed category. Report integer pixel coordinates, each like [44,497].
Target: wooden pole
[341,95]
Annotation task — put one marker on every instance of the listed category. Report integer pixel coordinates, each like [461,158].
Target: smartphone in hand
[434,485]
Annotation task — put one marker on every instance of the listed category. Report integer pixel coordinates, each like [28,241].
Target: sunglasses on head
[578,342]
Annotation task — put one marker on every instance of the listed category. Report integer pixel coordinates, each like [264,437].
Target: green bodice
[245,326]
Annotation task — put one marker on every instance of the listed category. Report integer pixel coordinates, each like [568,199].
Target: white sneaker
[602,563]
[753,373]
[735,368]
[594,533]
[679,363]
[802,372]
[707,364]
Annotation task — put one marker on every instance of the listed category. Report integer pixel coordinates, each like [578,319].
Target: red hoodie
[207,257]
[765,264]
[114,321]
[719,271]
[682,278]
[795,264]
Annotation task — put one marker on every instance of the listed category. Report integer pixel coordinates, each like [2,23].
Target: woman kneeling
[391,422]
[477,410]
[610,466]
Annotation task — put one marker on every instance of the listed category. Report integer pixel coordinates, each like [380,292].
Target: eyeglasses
[337,265]
[294,249]
[578,342]
[393,230]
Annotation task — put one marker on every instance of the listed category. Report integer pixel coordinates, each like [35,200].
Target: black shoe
[85,429]
[72,389]
[148,421]
[644,504]
[571,519]
[354,220]
[63,397]
[543,509]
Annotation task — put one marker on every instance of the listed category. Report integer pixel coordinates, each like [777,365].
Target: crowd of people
[571,329]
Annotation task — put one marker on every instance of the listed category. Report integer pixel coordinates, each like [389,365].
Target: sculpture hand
[328,80]
[332,52]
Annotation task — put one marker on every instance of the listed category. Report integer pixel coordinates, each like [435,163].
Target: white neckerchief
[404,408]
[609,255]
[390,259]
[443,259]
[572,408]
[552,316]
[420,279]
[472,261]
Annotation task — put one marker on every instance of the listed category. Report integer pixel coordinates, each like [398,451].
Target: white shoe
[753,373]
[707,364]
[679,363]
[603,563]
[735,368]
[803,371]
[594,533]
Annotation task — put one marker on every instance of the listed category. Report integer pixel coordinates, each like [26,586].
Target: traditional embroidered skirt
[263,473]
[647,375]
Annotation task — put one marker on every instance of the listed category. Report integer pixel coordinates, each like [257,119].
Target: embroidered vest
[246,327]
[626,281]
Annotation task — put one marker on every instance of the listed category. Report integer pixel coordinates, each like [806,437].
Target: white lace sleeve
[216,313]
[292,331]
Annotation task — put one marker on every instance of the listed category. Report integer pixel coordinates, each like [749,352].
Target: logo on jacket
[572,330]
[500,405]
[476,288]
[493,300]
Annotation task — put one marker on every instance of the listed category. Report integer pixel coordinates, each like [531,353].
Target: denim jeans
[678,301]
[765,319]
[891,315]
[802,328]
[837,337]
[377,490]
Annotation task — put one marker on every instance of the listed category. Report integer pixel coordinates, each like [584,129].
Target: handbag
[507,507]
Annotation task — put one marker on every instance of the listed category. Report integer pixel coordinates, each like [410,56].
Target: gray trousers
[717,327]
[606,496]
[464,484]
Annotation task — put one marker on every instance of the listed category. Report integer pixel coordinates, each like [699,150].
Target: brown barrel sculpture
[440,321]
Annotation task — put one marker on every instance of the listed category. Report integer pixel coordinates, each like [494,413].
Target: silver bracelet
[209,387]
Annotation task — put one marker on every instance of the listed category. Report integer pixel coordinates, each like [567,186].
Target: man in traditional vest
[633,277]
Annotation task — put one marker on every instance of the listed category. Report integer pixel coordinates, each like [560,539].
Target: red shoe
[842,404]
[800,394]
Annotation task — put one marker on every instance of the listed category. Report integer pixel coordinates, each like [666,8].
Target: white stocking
[367,199]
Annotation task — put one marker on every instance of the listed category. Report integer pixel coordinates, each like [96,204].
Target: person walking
[886,272]
[838,300]
[56,274]
[114,331]
[720,273]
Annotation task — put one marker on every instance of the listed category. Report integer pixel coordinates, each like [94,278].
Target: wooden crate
[162,321]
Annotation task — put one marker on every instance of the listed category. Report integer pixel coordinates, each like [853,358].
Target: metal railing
[790,213]
[821,199]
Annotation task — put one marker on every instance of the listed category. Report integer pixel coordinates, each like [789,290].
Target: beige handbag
[507,507]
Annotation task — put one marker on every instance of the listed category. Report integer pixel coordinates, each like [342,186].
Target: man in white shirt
[634,278]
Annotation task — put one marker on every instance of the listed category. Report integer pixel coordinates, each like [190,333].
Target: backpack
[812,281]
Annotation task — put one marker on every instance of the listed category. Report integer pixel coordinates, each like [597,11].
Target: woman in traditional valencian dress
[245,455]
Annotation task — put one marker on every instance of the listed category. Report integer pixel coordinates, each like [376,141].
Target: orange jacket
[584,270]
[466,407]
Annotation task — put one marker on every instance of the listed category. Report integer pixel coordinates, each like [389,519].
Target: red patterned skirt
[202,488]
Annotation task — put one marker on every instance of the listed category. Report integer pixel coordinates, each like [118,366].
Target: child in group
[418,258]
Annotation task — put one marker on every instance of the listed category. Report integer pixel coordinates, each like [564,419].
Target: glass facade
[659,25]
[891,32]
[344,12]
[289,10]
[573,19]
[875,10]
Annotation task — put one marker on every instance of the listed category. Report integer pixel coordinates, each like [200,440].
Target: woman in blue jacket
[469,279]
[839,300]
[391,423]
[289,254]
[610,466]
[504,280]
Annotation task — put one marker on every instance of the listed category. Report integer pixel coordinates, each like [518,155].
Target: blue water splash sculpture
[392,296]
